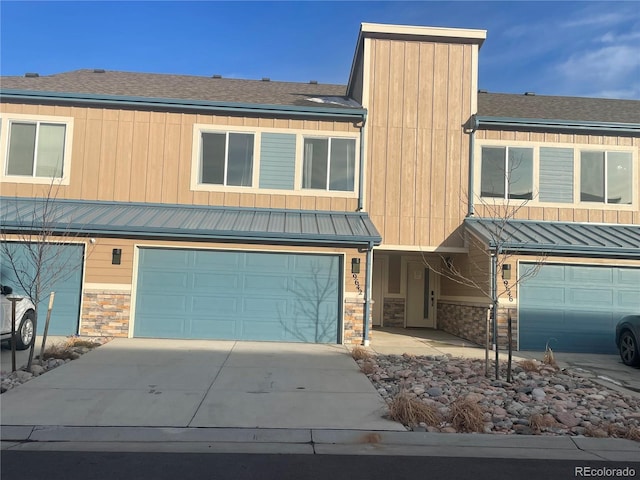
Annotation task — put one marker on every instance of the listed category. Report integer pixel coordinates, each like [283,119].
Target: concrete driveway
[191,383]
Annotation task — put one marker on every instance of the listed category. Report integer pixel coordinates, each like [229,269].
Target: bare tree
[32,247]
[484,262]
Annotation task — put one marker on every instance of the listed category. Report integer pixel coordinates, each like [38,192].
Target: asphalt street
[54,465]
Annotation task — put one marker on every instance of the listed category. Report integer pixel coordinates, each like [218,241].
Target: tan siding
[155,160]
[106,175]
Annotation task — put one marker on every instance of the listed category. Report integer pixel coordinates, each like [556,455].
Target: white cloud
[596,19]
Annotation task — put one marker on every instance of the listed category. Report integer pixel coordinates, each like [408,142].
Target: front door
[421,296]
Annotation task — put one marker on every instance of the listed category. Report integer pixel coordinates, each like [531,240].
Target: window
[329,164]
[606,177]
[507,172]
[227,159]
[36,149]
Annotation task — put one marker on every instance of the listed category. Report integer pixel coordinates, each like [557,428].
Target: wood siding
[145,156]
[420,95]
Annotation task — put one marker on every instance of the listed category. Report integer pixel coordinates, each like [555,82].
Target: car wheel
[25,336]
[629,349]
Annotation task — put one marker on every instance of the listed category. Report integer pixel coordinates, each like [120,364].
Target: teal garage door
[61,272]
[575,307]
[236,295]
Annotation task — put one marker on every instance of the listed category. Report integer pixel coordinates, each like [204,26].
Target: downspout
[361,176]
[472,137]
[367,295]
[494,312]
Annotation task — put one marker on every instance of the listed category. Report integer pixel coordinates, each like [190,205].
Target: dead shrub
[59,352]
[633,434]
[617,431]
[410,411]
[79,342]
[367,367]
[595,432]
[538,421]
[466,415]
[529,365]
[360,353]
[549,358]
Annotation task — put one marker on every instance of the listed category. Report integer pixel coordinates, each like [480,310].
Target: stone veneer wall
[352,321]
[465,321]
[470,322]
[393,312]
[105,313]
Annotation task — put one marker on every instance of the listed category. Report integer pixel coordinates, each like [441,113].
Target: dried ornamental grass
[367,367]
[466,416]
[409,411]
[360,353]
[529,365]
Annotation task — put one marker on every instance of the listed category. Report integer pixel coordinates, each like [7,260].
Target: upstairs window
[606,177]
[227,159]
[329,164]
[507,172]
[36,149]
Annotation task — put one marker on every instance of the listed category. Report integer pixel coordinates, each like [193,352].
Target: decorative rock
[23,376]
[567,419]
[434,392]
[538,393]
[37,370]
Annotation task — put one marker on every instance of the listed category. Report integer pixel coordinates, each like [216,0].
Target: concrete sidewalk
[315,441]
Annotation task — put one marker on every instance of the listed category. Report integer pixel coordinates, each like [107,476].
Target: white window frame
[507,169]
[301,134]
[7,119]
[328,160]
[577,149]
[605,177]
[226,133]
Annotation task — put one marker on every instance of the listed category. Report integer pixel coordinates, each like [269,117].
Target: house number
[506,286]
[357,283]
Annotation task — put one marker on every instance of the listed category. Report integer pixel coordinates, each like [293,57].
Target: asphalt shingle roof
[558,108]
[153,85]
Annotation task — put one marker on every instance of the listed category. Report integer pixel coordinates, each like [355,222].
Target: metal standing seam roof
[188,222]
[556,238]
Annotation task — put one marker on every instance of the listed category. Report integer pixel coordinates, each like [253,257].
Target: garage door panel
[161,280]
[177,259]
[598,297]
[220,280]
[63,264]
[595,298]
[588,275]
[243,295]
[214,305]
[164,303]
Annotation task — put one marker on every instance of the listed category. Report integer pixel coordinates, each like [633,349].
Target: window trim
[577,148]
[328,162]
[225,170]
[300,133]
[6,119]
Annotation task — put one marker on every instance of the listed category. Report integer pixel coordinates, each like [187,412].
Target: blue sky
[553,48]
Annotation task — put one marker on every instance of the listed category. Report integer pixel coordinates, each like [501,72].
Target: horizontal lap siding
[277,161]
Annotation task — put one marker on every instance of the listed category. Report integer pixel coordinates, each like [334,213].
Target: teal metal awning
[188,222]
[558,238]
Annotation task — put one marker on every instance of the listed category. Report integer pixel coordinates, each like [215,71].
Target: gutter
[361,179]
[472,142]
[367,295]
[562,125]
[185,104]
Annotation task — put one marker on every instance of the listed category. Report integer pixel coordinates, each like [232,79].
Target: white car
[25,316]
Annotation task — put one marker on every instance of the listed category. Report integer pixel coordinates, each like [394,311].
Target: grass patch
[79,342]
[360,353]
[60,352]
[633,434]
[410,411]
[466,416]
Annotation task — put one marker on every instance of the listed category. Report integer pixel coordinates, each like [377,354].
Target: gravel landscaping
[447,394]
[54,356]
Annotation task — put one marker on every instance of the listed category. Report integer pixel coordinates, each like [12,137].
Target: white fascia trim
[421,248]
[465,33]
[107,287]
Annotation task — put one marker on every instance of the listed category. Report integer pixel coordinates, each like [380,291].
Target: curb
[316,441]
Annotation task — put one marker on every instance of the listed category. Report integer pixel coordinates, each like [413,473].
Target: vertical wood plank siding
[420,96]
